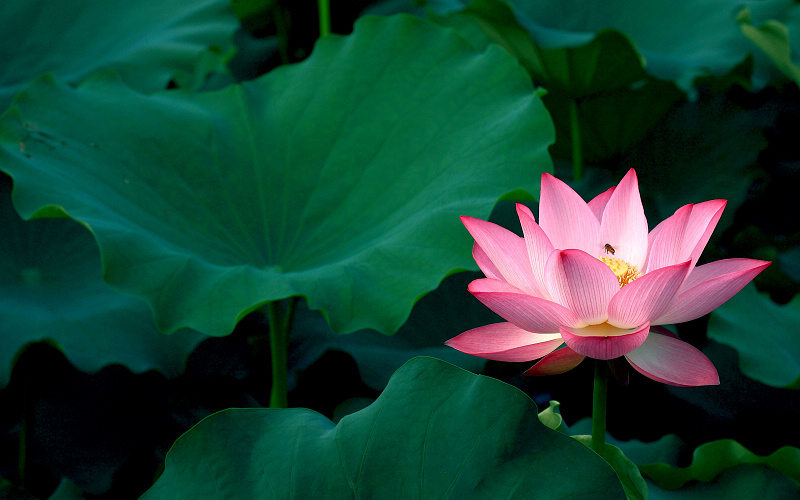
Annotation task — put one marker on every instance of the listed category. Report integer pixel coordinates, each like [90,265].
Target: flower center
[624,271]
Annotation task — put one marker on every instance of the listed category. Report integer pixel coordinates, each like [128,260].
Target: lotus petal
[708,287]
[527,312]
[557,362]
[624,225]
[648,297]
[505,342]
[506,251]
[566,218]
[581,283]
[672,361]
[604,341]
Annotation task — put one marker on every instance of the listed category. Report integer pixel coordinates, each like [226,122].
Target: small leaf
[764,333]
[436,432]
[552,419]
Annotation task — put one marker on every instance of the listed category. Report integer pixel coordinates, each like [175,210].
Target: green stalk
[599,406]
[282,32]
[279,347]
[575,133]
[324,17]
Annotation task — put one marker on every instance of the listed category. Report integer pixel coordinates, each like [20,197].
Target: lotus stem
[599,406]
[324,17]
[575,136]
[279,350]
[282,32]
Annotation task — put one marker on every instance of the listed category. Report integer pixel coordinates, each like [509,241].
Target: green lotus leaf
[436,432]
[67,490]
[52,289]
[600,63]
[764,333]
[772,37]
[627,472]
[617,102]
[340,179]
[726,467]
[678,40]
[146,41]
[743,481]
[713,458]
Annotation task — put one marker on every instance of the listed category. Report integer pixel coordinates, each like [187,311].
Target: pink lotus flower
[590,275]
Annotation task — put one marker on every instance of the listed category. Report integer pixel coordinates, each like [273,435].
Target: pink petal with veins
[708,287]
[599,202]
[566,218]
[604,341]
[485,264]
[646,298]
[506,250]
[557,362]
[581,283]
[672,361]
[505,342]
[702,223]
[624,225]
[526,311]
[666,247]
[693,236]
[538,244]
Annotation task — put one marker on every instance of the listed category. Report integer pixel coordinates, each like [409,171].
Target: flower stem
[575,136]
[279,327]
[282,32]
[324,17]
[599,406]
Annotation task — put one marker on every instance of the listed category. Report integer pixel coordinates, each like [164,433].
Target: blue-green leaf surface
[436,432]
[51,288]
[340,179]
[147,41]
[766,335]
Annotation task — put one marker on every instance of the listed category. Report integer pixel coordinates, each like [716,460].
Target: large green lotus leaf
[618,103]
[436,432]
[146,41]
[52,289]
[340,178]
[604,62]
[766,335]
